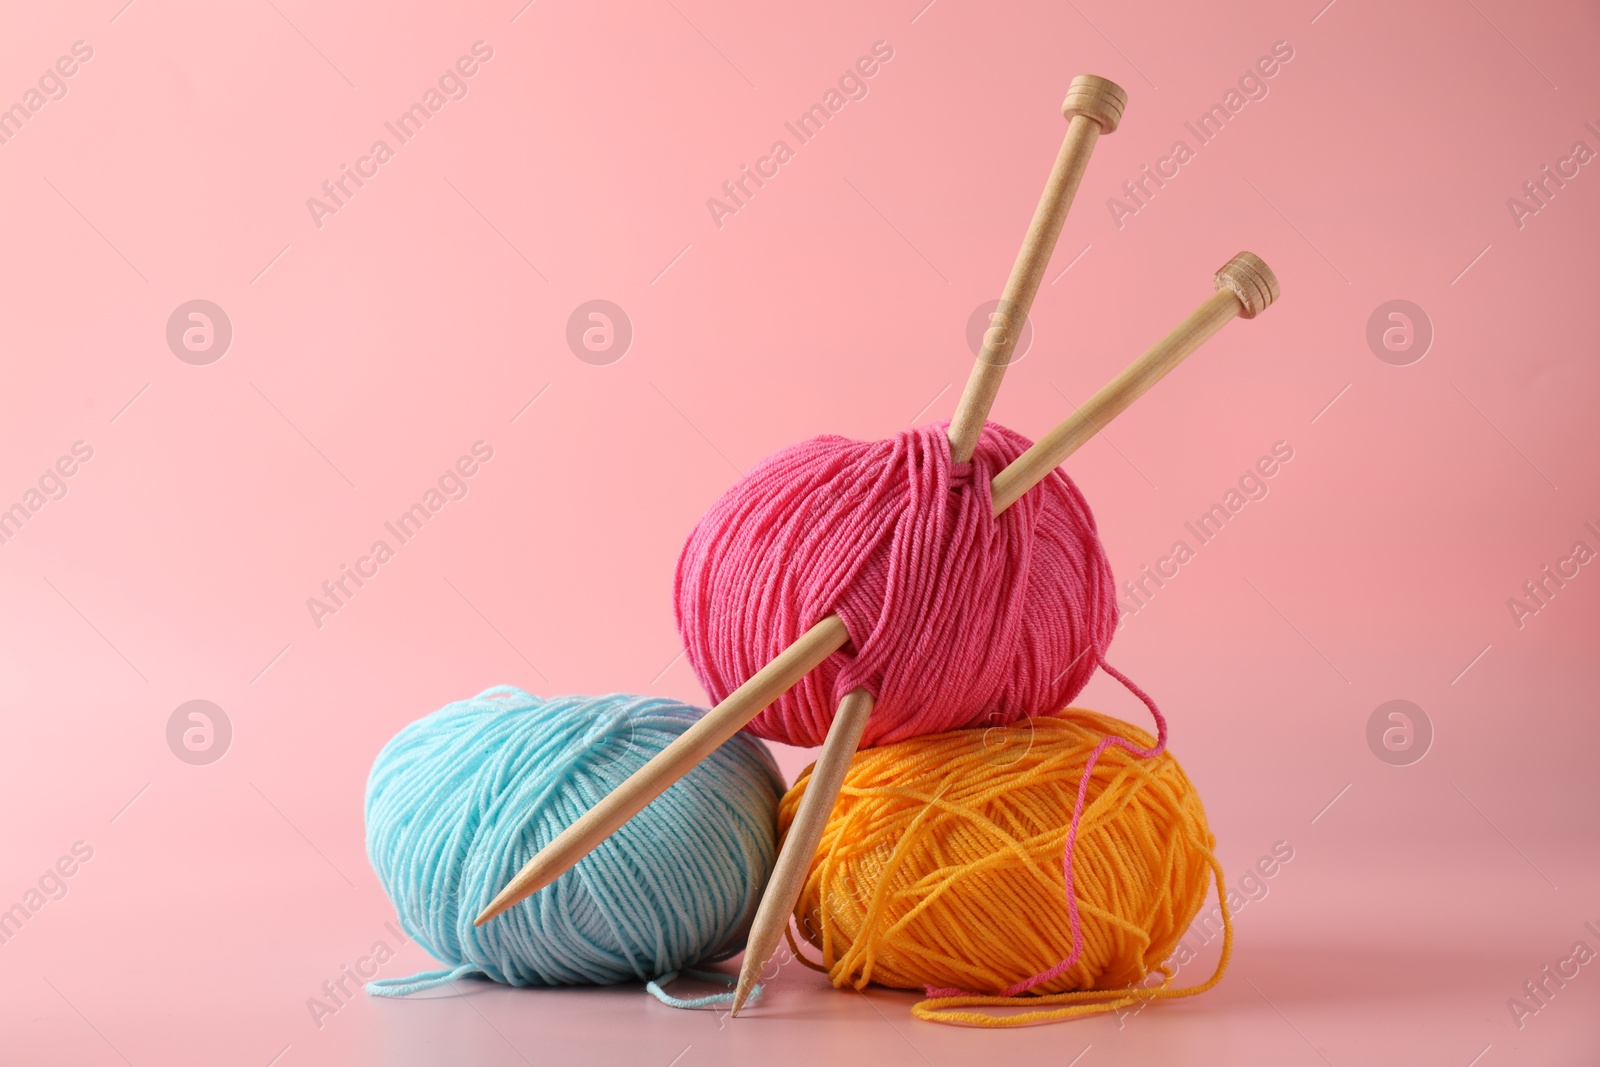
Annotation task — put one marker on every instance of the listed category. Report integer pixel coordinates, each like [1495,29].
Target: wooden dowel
[800,844]
[1244,277]
[1093,106]
[1251,287]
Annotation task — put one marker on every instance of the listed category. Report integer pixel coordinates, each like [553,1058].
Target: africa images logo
[452,85]
[851,85]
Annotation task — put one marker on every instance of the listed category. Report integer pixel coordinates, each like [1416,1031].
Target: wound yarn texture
[956,617]
[941,868]
[459,800]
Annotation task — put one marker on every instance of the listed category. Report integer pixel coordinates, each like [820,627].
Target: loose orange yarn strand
[962,843]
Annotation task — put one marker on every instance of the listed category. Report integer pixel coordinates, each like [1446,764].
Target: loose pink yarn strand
[1072,839]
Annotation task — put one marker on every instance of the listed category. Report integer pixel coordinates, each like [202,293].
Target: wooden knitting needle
[1245,287]
[1093,106]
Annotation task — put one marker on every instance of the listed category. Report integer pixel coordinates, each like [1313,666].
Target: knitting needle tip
[740,995]
[508,896]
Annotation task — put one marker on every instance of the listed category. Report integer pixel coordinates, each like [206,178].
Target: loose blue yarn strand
[460,799]
[426,980]
[713,1000]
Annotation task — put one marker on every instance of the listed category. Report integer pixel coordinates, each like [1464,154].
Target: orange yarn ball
[941,867]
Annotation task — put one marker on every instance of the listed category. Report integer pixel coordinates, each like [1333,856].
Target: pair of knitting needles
[1245,286]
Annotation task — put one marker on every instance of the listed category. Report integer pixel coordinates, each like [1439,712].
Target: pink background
[431,309]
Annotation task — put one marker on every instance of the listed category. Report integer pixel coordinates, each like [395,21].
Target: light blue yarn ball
[460,799]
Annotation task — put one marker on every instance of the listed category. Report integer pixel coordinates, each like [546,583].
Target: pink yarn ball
[956,618]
